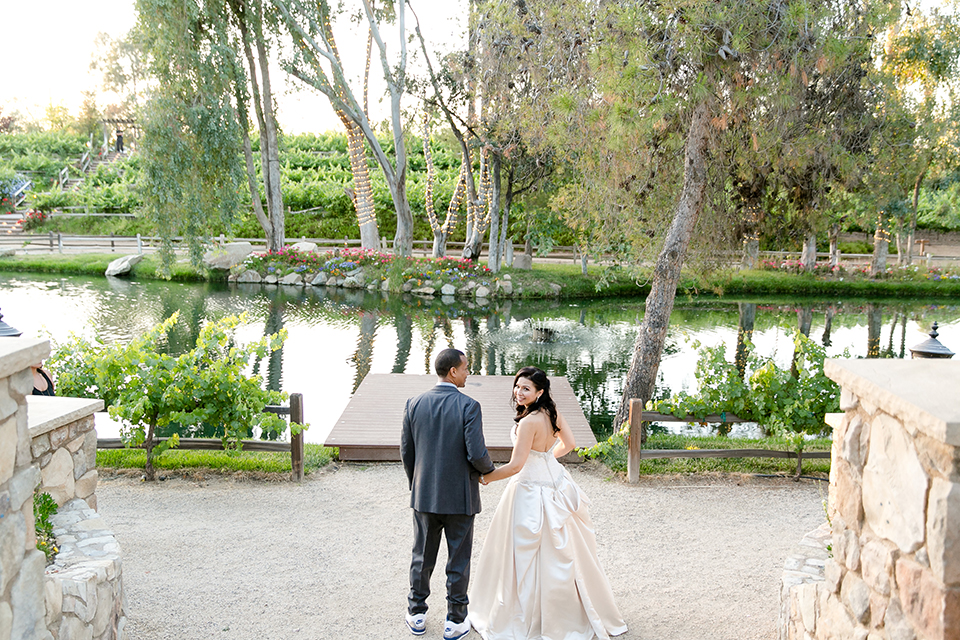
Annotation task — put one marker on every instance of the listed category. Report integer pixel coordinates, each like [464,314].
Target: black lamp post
[931,347]
[8,331]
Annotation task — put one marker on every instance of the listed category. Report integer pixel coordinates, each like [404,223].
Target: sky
[53,50]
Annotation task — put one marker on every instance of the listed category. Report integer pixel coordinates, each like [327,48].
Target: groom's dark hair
[446,360]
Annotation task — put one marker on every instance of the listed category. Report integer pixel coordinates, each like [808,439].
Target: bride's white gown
[538,575]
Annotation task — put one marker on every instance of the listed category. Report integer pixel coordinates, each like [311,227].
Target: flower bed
[376,266]
[894,273]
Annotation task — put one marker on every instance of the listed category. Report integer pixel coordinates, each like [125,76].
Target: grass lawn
[95,264]
[315,456]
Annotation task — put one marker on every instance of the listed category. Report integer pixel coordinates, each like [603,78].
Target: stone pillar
[21,564]
[894,505]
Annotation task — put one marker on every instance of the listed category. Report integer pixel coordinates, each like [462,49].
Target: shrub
[148,389]
[44,506]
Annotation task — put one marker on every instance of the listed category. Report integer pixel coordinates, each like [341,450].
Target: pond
[336,337]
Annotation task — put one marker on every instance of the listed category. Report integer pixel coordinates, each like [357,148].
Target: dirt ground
[688,558]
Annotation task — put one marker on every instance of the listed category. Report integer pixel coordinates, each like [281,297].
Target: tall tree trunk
[808,259]
[506,253]
[252,171]
[834,236]
[751,235]
[263,107]
[270,153]
[881,244]
[362,195]
[912,232]
[642,376]
[496,247]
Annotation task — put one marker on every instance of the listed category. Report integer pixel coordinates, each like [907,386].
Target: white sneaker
[417,623]
[454,631]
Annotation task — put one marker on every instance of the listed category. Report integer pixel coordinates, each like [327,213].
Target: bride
[538,575]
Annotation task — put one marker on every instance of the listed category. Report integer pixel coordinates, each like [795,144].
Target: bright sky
[50,63]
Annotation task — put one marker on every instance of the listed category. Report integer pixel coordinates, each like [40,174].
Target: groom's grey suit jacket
[443,451]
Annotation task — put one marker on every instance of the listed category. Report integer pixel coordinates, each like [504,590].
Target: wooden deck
[369,428]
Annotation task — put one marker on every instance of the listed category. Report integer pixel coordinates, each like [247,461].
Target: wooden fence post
[60,242]
[296,441]
[636,432]
[139,245]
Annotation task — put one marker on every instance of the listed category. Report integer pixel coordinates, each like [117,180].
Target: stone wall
[21,565]
[63,443]
[84,587]
[894,508]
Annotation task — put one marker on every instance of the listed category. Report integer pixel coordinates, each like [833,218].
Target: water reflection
[337,337]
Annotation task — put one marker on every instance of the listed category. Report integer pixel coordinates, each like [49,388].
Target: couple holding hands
[538,575]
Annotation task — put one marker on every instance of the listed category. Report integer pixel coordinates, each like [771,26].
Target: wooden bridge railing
[295,446]
[635,452]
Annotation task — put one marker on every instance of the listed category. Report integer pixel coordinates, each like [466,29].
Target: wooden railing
[636,453]
[295,446]
[20,194]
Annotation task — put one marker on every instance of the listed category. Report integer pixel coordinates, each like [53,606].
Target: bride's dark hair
[543,403]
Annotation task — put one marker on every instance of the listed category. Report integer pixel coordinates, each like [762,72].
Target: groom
[444,455]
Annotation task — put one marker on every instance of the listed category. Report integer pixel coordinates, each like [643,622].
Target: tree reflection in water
[591,340]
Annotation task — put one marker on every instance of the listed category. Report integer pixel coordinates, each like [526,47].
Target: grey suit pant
[458,529]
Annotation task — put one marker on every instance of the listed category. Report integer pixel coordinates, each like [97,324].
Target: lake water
[336,337]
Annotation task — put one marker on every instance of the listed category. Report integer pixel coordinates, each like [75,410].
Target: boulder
[249,276]
[304,247]
[292,279]
[448,289]
[320,280]
[227,256]
[523,261]
[122,266]
[482,292]
[424,291]
[8,251]
[270,278]
[556,289]
[408,286]
[505,287]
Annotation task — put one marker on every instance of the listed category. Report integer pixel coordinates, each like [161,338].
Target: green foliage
[148,389]
[45,506]
[782,401]
[47,201]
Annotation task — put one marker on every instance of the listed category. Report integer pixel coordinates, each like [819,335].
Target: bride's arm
[521,451]
[567,442]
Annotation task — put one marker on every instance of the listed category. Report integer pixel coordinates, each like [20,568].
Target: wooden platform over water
[369,428]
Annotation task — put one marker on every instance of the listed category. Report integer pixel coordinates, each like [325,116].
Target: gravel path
[688,558]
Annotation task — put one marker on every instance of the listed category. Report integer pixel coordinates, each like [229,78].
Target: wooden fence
[636,453]
[295,446]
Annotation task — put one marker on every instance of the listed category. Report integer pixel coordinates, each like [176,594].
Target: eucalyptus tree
[196,145]
[639,97]
[315,61]
[920,75]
